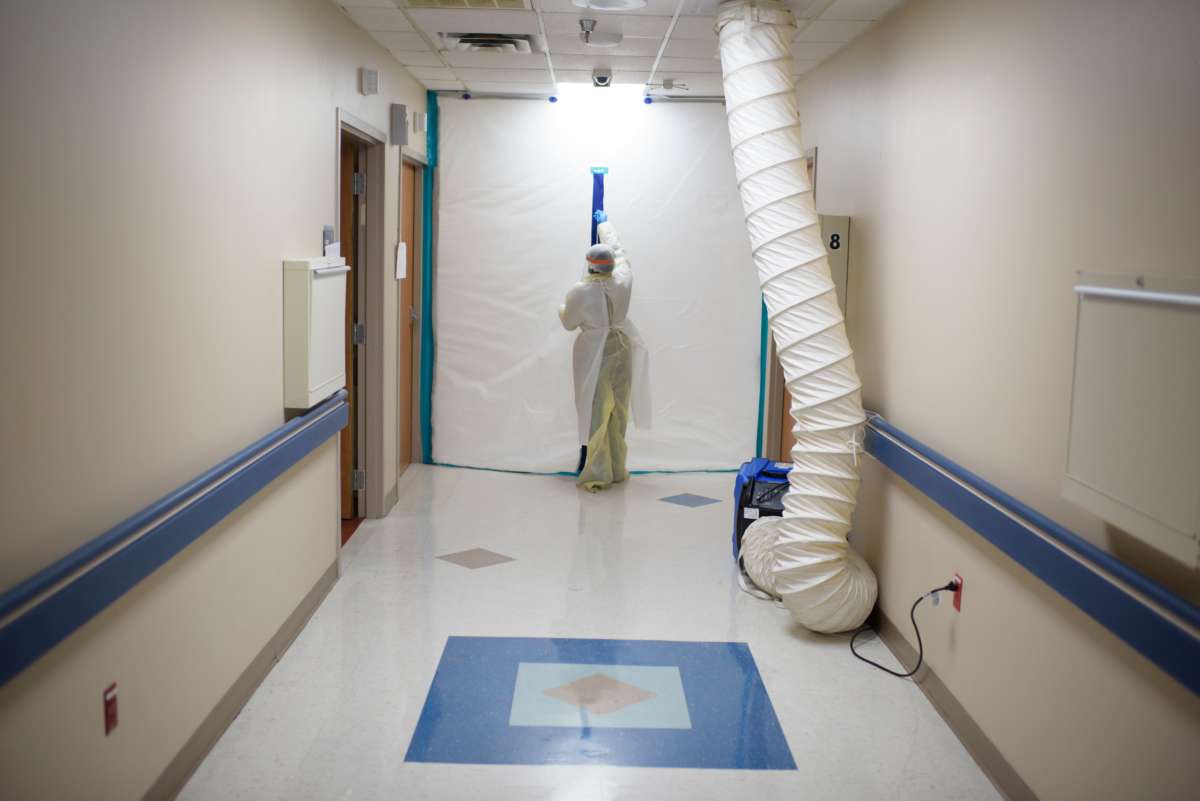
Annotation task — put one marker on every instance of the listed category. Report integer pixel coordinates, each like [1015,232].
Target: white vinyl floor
[336,716]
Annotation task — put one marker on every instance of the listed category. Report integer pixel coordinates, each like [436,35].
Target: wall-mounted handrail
[39,612]
[1159,624]
[1145,295]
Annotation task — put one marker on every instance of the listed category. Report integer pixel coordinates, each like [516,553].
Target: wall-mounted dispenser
[314,330]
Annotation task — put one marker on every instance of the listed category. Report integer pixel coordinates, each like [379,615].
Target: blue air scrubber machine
[757,492]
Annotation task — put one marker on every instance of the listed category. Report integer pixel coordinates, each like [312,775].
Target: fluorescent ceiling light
[610,5]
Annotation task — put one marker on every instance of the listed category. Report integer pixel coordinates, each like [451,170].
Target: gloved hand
[600,216]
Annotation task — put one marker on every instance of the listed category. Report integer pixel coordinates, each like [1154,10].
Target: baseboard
[985,753]
[171,781]
[391,499]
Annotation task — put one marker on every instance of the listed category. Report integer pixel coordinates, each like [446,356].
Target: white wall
[987,151]
[158,160]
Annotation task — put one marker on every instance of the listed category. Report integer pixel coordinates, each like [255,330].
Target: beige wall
[158,160]
[174,645]
[986,152]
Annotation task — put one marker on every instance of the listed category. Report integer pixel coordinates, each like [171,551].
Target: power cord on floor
[912,615]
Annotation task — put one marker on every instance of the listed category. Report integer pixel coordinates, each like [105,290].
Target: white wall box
[314,325]
[1134,450]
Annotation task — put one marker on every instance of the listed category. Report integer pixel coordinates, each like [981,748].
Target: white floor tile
[335,716]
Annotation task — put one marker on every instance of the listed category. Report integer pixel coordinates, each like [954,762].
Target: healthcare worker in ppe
[611,363]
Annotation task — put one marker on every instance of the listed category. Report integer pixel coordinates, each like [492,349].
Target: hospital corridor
[600,400]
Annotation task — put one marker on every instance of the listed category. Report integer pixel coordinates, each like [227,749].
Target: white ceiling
[410,30]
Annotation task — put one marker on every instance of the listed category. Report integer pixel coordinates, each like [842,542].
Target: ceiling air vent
[492,42]
[519,5]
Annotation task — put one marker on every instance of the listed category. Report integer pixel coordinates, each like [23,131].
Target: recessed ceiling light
[610,5]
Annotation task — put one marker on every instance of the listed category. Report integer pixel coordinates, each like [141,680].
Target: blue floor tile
[649,703]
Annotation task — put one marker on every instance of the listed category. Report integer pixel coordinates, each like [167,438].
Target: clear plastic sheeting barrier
[515,192]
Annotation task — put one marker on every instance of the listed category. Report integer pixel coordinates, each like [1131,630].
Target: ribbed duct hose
[802,557]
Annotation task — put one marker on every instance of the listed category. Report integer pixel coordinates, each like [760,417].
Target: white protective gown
[587,308]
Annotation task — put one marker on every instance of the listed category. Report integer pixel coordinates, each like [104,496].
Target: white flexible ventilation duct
[802,557]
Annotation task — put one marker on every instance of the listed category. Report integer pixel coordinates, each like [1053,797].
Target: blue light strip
[1172,647]
[44,625]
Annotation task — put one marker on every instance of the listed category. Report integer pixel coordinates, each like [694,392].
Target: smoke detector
[592,38]
[610,5]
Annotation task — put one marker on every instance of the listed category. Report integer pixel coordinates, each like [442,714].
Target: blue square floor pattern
[645,703]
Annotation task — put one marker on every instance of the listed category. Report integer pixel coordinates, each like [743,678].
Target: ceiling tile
[820,30]
[628,24]
[417,58]
[630,46]
[695,28]
[367,4]
[859,9]
[379,19]
[809,51]
[394,40]
[690,48]
[468,58]
[434,21]
[433,73]
[654,8]
[690,64]
[572,62]
[443,86]
[805,9]
[470,74]
[580,76]
[508,87]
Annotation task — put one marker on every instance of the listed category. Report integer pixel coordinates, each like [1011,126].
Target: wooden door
[348,233]
[408,323]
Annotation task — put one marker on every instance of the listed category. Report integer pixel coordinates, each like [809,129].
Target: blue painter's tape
[573,474]
[1165,643]
[428,352]
[597,199]
[763,367]
[49,622]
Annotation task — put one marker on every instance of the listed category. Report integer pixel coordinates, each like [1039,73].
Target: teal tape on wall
[427,344]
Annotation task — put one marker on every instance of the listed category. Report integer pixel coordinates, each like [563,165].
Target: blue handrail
[1073,575]
[46,623]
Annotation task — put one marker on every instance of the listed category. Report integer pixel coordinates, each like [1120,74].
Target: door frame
[371,285]
[418,161]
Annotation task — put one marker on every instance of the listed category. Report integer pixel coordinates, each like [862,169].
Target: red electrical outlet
[110,708]
[958,593]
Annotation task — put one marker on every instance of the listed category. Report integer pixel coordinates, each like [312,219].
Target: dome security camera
[601,76]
